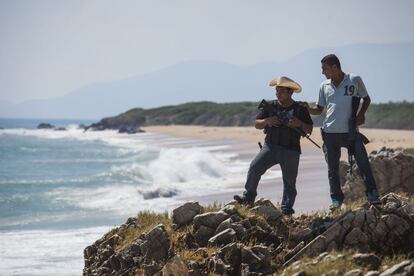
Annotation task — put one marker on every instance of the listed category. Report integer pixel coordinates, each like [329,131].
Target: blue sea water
[62,190]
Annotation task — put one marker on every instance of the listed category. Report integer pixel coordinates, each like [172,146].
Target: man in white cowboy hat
[282,144]
[336,95]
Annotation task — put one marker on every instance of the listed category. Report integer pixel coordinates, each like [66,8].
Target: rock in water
[45,126]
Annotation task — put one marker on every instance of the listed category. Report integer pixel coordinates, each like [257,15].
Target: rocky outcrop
[404,268]
[45,126]
[50,126]
[146,252]
[257,240]
[393,171]
[130,129]
[383,230]
[116,124]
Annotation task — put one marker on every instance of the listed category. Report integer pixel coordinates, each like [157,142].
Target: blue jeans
[332,149]
[269,156]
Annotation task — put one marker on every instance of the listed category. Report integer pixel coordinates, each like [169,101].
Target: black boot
[244,200]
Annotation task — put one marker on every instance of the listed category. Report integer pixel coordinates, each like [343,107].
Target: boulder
[216,265]
[263,253]
[155,244]
[151,268]
[397,224]
[210,219]
[358,239]
[314,248]
[185,213]
[237,227]
[266,209]
[393,170]
[250,258]
[225,224]
[174,267]
[224,237]
[294,251]
[125,258]
[230,209]
[302,235]
[398,269]
[203,234]
[371,261]
[231,254]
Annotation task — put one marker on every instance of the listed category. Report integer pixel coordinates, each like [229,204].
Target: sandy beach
[391,138]
[312,181]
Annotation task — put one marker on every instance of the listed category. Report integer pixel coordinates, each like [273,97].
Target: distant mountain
[386,69]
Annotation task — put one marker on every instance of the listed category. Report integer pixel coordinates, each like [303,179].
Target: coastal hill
[387,115]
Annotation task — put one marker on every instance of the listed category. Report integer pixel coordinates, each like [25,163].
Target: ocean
[62,190]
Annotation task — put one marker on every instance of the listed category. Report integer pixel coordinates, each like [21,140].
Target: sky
[49,48]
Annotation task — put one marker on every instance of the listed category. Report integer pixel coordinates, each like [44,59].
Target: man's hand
[360,119]
[317,110]
[272,121]
[304,104]
[294,123]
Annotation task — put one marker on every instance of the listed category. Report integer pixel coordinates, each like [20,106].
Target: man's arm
[360,118]
[317,110]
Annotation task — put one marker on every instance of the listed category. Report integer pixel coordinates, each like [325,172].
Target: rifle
[353,132]
[284,118]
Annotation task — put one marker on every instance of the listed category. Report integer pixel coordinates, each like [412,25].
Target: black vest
[283,135]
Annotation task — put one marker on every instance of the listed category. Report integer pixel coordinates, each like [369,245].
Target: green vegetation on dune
[385,115]
[391,115]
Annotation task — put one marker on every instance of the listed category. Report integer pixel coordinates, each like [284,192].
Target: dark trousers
[332,149]
[269,156]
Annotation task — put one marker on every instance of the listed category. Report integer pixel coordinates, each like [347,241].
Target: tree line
[392,115]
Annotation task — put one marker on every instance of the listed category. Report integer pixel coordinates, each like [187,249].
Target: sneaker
[336,204]
[373,197]
[243,200]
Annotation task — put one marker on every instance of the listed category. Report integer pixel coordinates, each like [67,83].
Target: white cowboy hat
[286,82]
